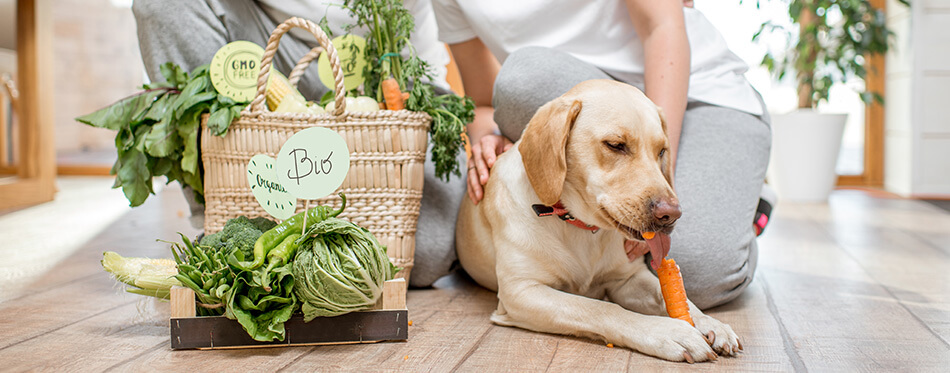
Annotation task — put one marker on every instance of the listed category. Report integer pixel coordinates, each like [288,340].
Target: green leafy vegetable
[389,24]
[263,312]
[340,267]
[204,269]
[157,130]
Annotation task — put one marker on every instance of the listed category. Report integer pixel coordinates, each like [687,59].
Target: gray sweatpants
[720,169]
[189,32]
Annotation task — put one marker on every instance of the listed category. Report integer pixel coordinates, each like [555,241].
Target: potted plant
[833,43]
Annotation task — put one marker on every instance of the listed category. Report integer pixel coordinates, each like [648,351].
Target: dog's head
[602,150]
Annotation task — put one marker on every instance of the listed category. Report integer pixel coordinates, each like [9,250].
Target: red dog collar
[559,211]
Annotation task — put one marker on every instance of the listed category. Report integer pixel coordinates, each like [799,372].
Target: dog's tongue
[659,248]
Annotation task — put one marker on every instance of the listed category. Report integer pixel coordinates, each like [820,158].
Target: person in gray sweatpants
[189,32]
[720,169]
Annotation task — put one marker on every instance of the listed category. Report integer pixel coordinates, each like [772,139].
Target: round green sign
[262,177]
[234,70]
[352,52]
[313,163]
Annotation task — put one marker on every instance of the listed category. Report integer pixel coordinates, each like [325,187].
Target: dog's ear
[667,166]
[544,145]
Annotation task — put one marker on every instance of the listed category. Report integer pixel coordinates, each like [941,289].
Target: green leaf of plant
[191,89]
[173,74]
[124,139]
[194,100]
[157,111]
[219,121]
[134,177]
[163,139]
[195,182]
[188,127]
[162,167]
[121,114]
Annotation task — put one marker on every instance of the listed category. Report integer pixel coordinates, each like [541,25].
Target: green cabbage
[339,268]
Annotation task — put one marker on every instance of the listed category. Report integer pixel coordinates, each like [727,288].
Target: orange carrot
[674,293]
[468,145]
[648,235]
[392,94]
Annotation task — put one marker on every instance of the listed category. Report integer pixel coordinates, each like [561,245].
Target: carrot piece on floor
[674,293]
[611,345]
[392,94]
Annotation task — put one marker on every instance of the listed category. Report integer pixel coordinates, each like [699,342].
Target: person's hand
[484,153]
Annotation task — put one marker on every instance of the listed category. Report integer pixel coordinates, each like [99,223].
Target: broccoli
[239,233]
[263,224]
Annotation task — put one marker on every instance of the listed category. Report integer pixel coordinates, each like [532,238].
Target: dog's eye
[662,153]
[616,146]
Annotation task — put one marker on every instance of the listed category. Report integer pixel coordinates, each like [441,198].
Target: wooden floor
[861,284]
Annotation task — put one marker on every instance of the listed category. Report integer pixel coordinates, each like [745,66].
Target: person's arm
[662,31]
[478,68]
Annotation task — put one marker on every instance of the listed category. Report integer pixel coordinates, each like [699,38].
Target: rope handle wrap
[257,105]
[302,65]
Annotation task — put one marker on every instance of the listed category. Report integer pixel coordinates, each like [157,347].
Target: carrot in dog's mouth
[632,234]
[659,244]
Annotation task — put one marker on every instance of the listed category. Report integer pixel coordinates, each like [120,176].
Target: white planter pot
[805,147]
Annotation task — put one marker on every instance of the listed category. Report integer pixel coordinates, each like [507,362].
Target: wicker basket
[387,150]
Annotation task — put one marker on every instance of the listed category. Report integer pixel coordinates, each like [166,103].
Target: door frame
[35,180]
[873,174]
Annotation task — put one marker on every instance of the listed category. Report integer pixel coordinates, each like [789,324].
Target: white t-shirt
[602,34]
[424,38]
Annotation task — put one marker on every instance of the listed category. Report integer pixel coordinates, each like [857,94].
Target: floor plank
[107,339]
[838,315]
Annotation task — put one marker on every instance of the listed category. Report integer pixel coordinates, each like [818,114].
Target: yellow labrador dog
[599,152]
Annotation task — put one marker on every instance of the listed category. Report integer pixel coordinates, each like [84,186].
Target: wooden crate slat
[354,327]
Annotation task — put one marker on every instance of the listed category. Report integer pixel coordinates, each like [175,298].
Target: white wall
[917,137]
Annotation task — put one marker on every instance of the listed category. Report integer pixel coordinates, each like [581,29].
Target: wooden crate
[388,321]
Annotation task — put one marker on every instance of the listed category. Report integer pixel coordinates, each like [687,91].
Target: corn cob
[152,277]
[278,87]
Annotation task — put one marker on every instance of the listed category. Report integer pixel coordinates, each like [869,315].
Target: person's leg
[720,169]
[435,231]
[189,32]
[531,77]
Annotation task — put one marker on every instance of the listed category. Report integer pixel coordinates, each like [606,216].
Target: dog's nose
[666,212]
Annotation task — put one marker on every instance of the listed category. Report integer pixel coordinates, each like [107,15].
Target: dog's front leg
[532,305]
[641,293]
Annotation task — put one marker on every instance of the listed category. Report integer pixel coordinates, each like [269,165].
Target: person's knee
[520,89]
[723,269]
[520,74]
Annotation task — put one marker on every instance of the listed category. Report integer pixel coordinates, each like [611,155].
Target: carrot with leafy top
[674,293]
[392,94]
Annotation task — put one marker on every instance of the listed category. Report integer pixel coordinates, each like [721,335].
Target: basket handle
[302,65]
[257,105]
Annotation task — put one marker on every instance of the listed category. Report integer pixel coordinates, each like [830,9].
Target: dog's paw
[721,336]
[676,340]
